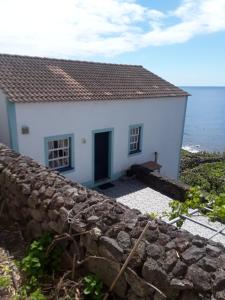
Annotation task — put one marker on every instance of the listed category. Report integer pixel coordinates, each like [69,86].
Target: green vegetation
[37,266]
[5,281]
[196,199]
[93,287]
[209,176]
[42,267]
[205,172]
[153,215]
[203,169]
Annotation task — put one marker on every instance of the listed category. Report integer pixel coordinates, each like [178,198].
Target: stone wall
[167,186]
[189,163]
[183,266]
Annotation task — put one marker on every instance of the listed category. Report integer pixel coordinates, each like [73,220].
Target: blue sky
[180,40]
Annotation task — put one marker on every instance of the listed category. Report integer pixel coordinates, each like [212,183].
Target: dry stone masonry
[183,266]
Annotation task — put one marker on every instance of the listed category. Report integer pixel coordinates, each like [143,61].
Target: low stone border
[169,187]
[181,265]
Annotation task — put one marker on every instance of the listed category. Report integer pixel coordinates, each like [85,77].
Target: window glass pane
[60,143]
[55,144]
[134,138]
[56,163]
[59,153]
[50,155]
[65,152]
[66,142]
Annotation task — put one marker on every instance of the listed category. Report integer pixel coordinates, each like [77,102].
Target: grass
[5,281]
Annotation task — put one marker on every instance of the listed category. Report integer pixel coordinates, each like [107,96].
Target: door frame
[110,154]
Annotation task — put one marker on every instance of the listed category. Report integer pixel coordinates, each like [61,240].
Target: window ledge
[65,170]
[135,153]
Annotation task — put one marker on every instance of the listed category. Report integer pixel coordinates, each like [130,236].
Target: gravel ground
[136,194]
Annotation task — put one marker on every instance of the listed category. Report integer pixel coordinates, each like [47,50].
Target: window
[59,152]
[135,139]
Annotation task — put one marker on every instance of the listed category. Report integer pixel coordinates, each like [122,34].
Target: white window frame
[135,138]
[59,152]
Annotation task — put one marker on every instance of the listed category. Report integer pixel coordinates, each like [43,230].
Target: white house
[90,121]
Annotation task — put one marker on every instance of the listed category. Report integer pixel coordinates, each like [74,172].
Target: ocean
[205,119]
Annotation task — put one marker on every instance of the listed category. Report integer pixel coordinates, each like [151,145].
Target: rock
[26,189]
[71,192]
[55,226]
[154,274]
[199,241]
[123,240]
[137,284]
[181,284]
[92,219]
[96,233]
[81,198]
[170,245]
[49,192]
[163,228]
[199,277]
[46,203]
[163,239]
[78,226]
[69,203]
[42,189]
[170,260]
[38,214]
[132,296]
[112,248]
[189,295]
[219,282]
[221,261]
[151,235]
[179,269]
[152,225]
[208,264]
[220,295]
[155,251]
[138,256]
[213,251]
[33,200]
[193,254]
[89,243]
[107,271]
[181,244]
[64,213]
[158,296]
[53,214]
[33,229]
[59,201]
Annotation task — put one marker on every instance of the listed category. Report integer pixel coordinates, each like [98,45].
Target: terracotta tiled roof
[34,79]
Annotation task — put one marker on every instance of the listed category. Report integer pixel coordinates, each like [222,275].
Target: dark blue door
[101,158]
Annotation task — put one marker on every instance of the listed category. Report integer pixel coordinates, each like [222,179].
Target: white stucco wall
[4,125]
[162,131]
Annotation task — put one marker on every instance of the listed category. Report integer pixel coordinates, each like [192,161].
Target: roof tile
[35,79]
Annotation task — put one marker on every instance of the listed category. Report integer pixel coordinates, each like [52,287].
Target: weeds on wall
[41,267]
[37,266]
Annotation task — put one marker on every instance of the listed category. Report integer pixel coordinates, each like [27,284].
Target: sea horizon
[205,119]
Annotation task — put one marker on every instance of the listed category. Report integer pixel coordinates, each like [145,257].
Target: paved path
[135,194]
